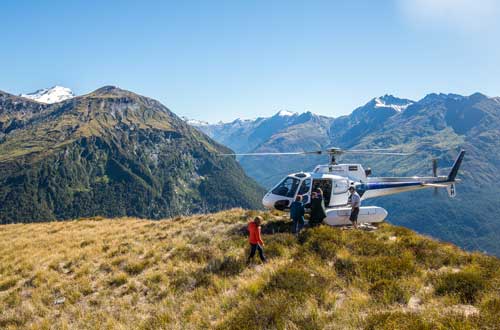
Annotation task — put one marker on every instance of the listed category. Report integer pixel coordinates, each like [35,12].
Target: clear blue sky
[218,60]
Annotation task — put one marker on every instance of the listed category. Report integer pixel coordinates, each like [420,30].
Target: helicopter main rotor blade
[359,152]
[274,153]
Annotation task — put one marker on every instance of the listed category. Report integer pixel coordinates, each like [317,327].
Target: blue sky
[219,60]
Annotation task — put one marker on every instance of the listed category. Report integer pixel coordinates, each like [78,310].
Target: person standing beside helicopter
[318,210]
[297,212]
[355,204]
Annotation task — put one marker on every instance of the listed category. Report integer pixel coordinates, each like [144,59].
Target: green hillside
[111,153]
[190,273]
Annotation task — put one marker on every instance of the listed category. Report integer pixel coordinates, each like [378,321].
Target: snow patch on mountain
[50,95]
[195,122]
[285,113]
[381,102]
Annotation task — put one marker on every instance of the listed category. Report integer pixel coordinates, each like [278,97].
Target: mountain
[110,153]
[436,126]
[191,273]
[243,135]
[50,95]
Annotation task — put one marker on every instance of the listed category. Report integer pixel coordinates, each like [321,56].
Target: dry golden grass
[190,273]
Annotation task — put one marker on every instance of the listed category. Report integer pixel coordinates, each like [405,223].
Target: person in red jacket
[255,240]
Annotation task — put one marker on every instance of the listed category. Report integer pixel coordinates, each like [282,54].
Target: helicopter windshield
[287,187]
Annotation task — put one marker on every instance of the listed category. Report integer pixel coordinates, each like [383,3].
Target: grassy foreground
[190,273]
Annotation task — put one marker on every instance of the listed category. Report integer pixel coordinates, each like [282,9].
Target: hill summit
[113,153]
[190,273]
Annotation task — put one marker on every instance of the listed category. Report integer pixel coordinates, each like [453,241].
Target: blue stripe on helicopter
[385,185]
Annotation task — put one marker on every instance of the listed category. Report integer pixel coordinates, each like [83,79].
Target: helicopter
[335,180]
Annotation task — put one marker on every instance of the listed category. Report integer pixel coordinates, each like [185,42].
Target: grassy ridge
[190,273]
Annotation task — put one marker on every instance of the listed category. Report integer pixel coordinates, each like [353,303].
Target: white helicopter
[335,179]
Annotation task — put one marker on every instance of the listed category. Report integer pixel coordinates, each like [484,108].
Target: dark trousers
[253,248]
[354,215]
[297,226]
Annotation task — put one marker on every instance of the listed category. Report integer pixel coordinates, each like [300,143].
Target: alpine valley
[109,153]
[437,126]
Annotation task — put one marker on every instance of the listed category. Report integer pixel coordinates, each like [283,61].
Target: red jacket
[254,236]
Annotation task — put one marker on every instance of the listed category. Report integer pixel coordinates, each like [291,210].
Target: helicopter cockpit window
[287,187]
[340,186]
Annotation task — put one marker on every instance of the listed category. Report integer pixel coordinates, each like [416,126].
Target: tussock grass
[191,273]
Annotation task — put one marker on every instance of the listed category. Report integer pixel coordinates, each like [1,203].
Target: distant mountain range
[110,153]
[438,126]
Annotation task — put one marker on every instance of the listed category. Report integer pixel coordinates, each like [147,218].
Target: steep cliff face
[112,153]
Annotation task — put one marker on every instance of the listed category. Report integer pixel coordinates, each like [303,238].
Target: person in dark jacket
[255,240]
[297,212]
[318,210]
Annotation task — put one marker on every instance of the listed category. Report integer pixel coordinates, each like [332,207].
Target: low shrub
[397,320]
[277,311]
[226,266]
[466,285]
[388,292]
[323,241]
[346,268]
[7,283]
[297,282]
[118,280]
[135,267]
[374,269]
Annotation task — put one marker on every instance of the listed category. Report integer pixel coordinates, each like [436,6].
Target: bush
[465,285]
[277,245]
[323,240]
[388,292]
[135,267]
[277,311]
[226,266]
[397,320]
[297,282]
[374,269]
[430,253]
[118,280]
[345,267]
[7,283]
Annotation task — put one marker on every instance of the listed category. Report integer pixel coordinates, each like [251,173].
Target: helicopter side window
[340,186]
[287,187]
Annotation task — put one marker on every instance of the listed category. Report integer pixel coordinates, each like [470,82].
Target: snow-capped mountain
[50,95]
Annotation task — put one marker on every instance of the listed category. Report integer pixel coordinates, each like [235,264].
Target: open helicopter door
[326,186]
[452,192]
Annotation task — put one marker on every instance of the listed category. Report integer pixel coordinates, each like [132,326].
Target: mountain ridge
[111,152]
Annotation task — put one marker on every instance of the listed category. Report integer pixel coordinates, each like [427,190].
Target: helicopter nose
[268,201]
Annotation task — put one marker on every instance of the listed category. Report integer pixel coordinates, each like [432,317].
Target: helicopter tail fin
[456,166]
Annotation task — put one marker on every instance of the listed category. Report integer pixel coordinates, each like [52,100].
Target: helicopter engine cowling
[367,214]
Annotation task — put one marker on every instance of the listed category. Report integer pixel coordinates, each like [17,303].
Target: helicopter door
[304,190]
[340,192]
[326,186]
